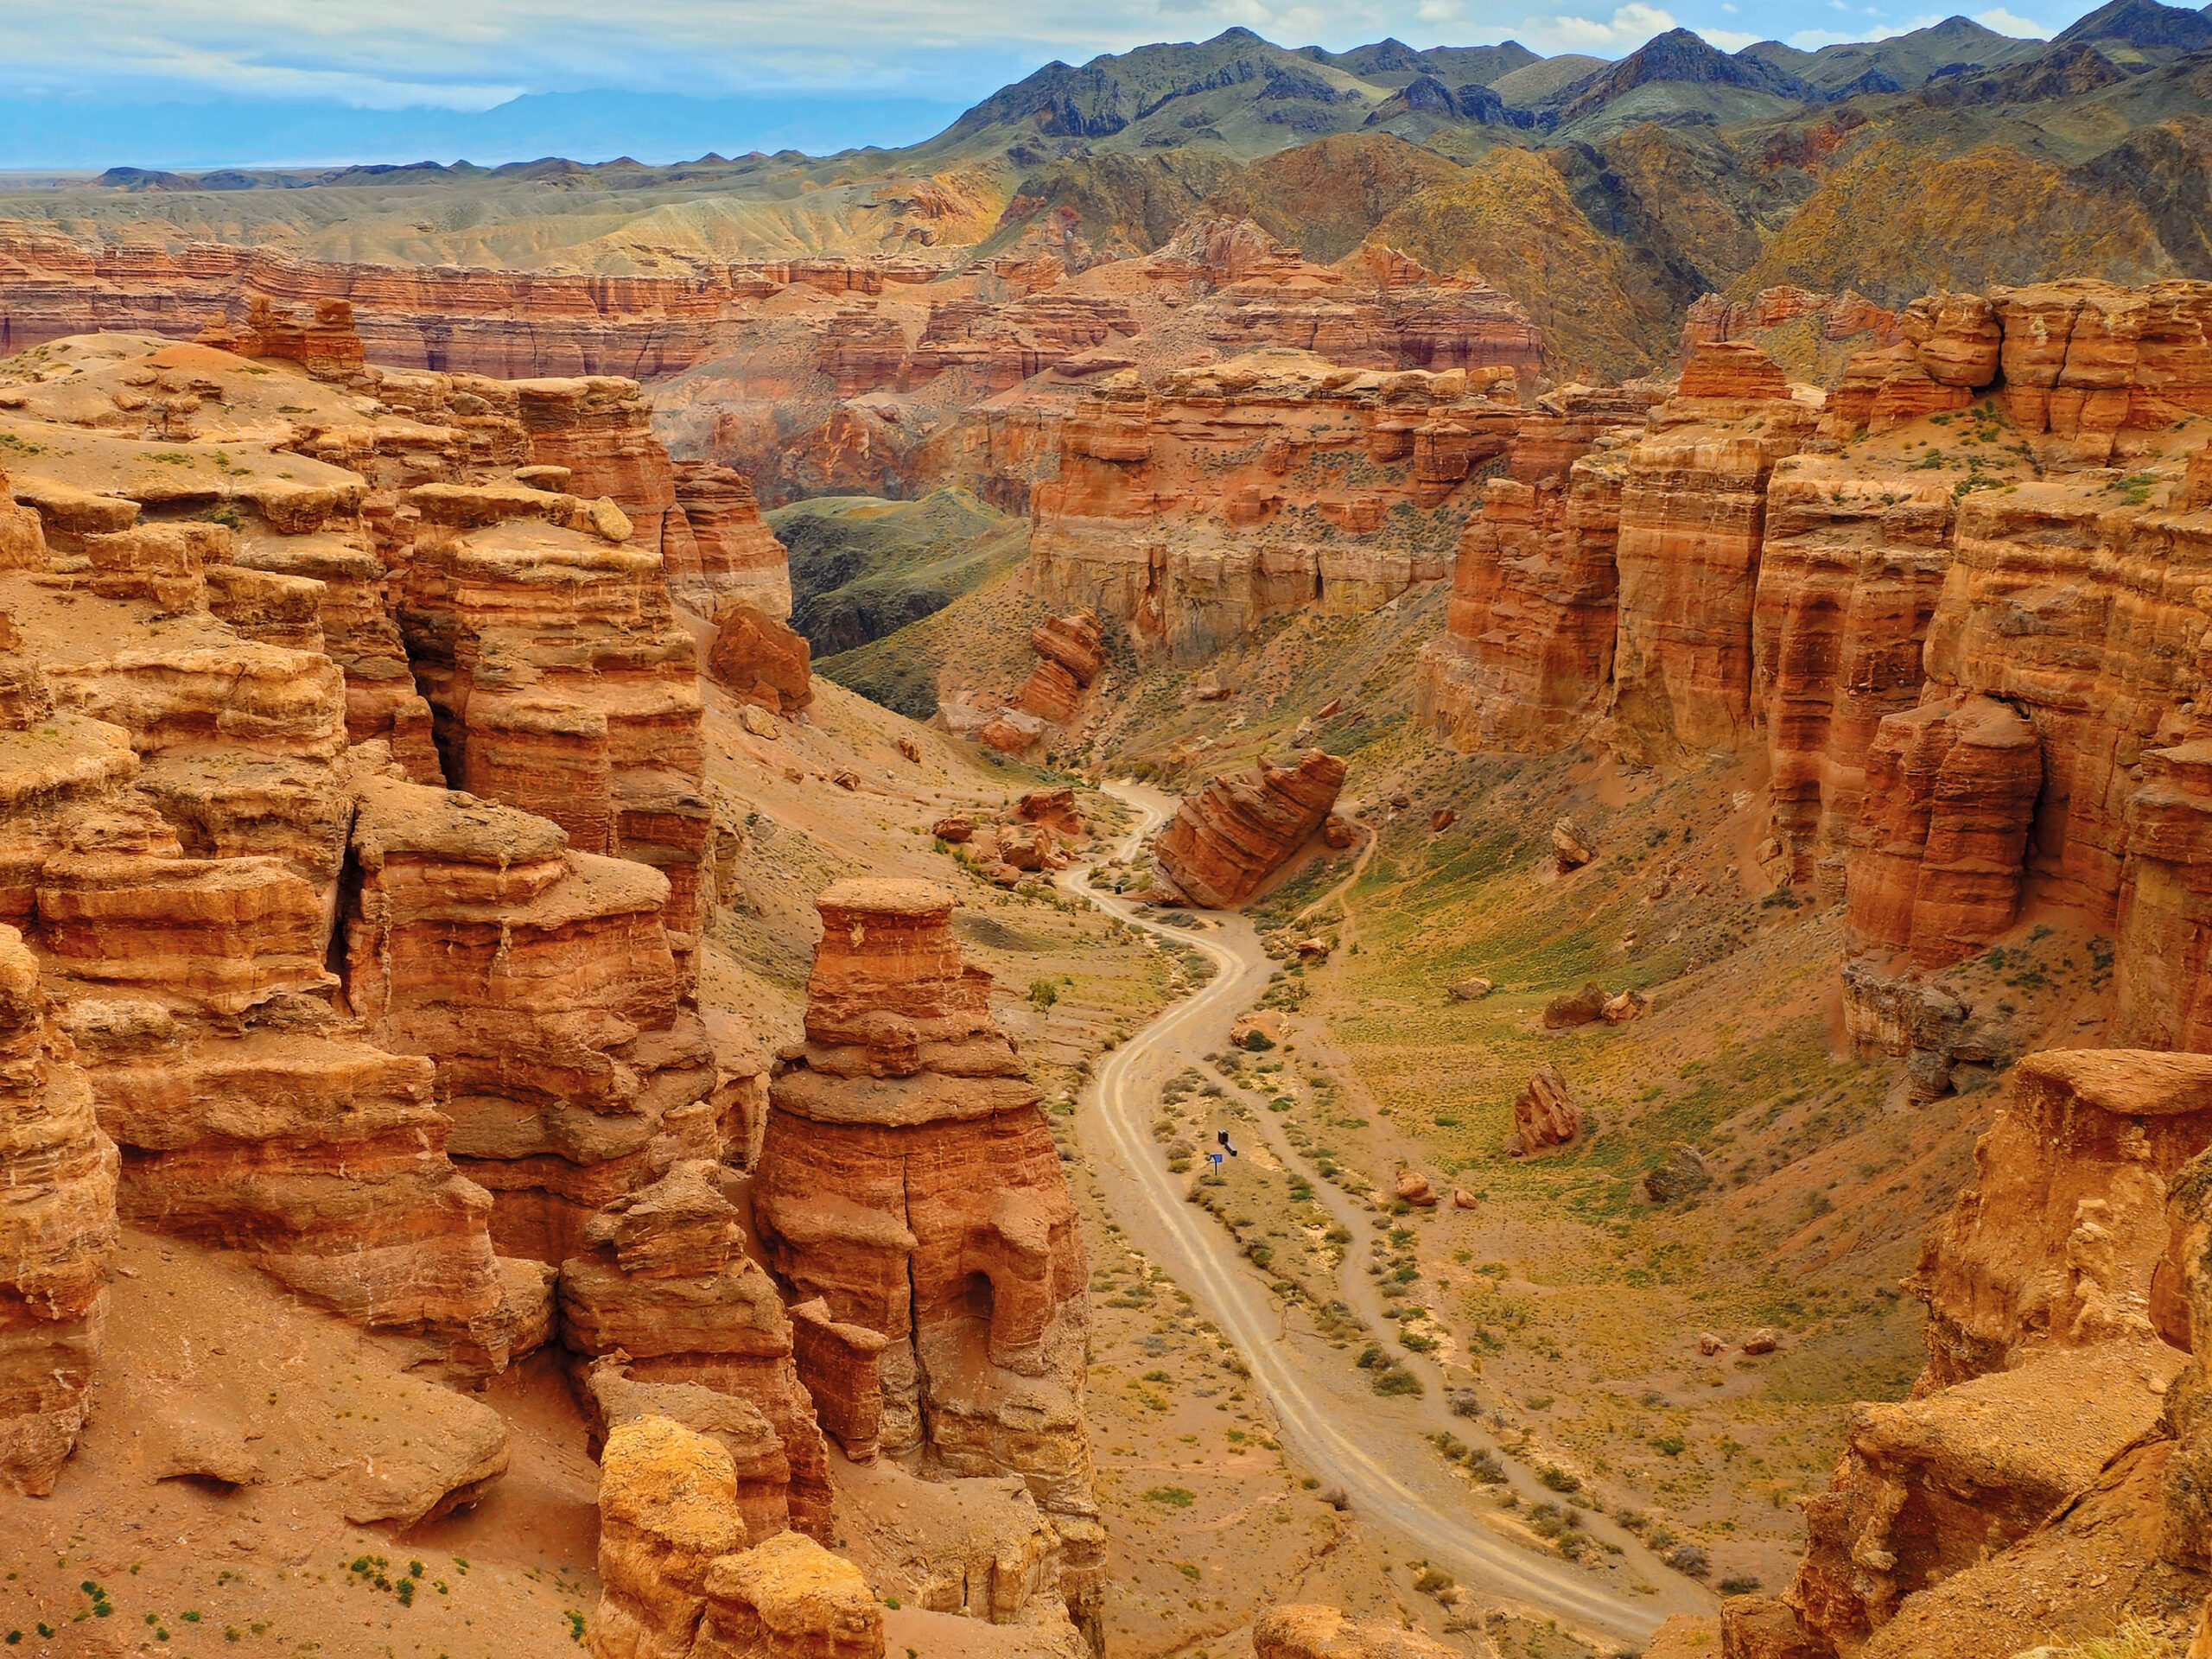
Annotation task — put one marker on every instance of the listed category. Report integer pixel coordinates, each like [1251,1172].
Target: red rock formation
[1544,1113]
[733,557]
[1693,520]
[1712,319]
[1226,840]
[1163,514]
[560,679]
[761,660]
[1950,797]
[327,345]
[542,982]
[1849,575]
[55,1236]
[908,1181]
[1527,653]
[663,1283]
[1071,659]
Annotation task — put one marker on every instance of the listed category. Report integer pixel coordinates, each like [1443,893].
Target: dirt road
[1374,1447]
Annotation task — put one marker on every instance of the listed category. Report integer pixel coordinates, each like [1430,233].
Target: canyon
[1536,975]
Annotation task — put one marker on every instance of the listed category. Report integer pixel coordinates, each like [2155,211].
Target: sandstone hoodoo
[1227,839]
[908,1181]
[1070,661]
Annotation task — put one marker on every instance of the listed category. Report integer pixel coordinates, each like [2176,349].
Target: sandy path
[1370,1445]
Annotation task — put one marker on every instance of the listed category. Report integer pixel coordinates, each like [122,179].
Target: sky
[463,55]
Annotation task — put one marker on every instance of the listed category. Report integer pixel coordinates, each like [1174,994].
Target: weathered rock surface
[1311,1632]
[1070,661]
[664,1284]
[908,1180]
[761,660]
[679,1579]
[1228,838]
[2062,1241]
[55,1233]
[1544,1113]
[733,558]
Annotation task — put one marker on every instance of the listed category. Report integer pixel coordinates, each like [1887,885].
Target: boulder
[1628,1005]
[955,830]
[1462,1199]
[1571,845]
[1544,1113]
[1470,990]
[1231,836]
[1413,1187]
[1761,1341]
[1581,1007]
[761,659]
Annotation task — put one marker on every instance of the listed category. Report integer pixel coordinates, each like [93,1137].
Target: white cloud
[465,54]
[1730,39]
[1627,28]
[2006,22]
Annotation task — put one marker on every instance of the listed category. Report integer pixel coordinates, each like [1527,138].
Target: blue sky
[470,55]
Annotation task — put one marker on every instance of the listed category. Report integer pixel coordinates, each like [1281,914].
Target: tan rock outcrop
[1228,839]
[761,660]
[55,1233]
[908,1180]
[1314,1632]
[2062,1241]
[663,1284]
[678,1580]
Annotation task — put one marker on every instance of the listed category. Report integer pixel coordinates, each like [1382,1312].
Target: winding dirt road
[1374,1447]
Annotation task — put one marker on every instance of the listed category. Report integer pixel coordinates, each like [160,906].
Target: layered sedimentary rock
[761,660]
[1226,840]
[735,558]
[1850,572]
[55,1233]
[908,1181]
[681,1577]
[2063,1239]
[1527,653]
[1938,851]
[1693,525]
[1069,659]
[2047,1471]
[543,983]
[1276,479]
[560,680]
[663,1284]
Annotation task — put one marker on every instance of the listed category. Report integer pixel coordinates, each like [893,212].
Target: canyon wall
[275,988]
[1957,606]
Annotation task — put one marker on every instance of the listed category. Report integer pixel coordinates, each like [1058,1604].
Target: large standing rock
[664,1279]
[1544,1113]
[1069,658]
[1226,840]
[761,659]
[908,1180]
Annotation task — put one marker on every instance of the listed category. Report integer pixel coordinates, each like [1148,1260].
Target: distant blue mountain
[591,126]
